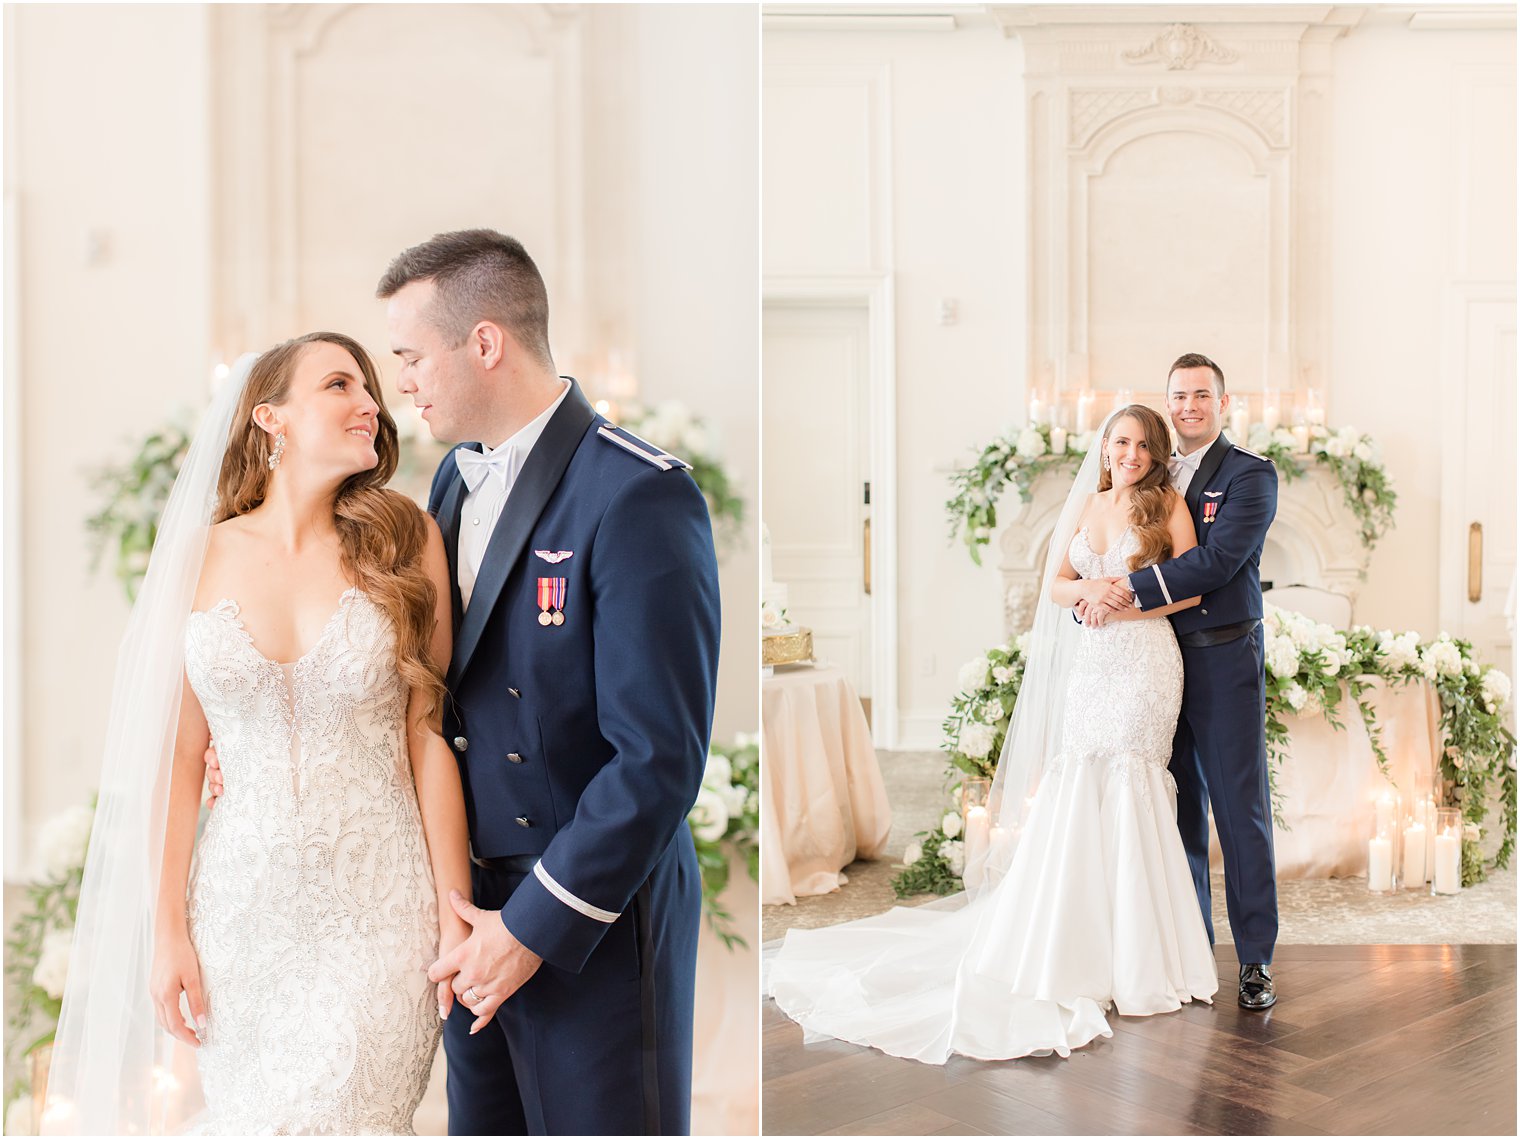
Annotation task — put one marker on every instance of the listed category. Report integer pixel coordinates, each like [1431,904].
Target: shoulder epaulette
[641,447]
[1253,454]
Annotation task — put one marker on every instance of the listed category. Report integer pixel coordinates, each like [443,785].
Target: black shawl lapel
[530,494]
[448,522]
[1206,469]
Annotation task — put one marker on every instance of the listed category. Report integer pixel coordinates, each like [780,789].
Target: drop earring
[279,451]
[1105,459]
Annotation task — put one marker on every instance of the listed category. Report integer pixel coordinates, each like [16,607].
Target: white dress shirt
[1184,467]
[483,505]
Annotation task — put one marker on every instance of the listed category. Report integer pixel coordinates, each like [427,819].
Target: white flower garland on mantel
[1019,458]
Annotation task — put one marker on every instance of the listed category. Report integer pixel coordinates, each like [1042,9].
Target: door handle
[866,555]
[1475,562]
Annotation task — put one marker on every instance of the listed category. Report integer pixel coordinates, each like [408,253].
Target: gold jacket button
[513,757]
[461,744]
[524,821]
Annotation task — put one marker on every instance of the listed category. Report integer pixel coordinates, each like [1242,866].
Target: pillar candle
[1271,418]
[1036,410]
[976,845]
[1240,423]
[1380,865]
[1385,813]
[1301,439]
[1057,441]
[1430,839]
[1448,868]
[1414,855]
[1084,413]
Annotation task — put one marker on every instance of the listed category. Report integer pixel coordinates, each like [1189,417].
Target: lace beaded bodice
[1125,687]
[311,904]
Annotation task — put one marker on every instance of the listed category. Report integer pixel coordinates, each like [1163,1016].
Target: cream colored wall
[160,128]
[955,211]
[952,226]
[109,107]
[1423,197]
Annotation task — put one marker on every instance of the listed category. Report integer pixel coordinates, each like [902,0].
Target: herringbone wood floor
[1376,1039]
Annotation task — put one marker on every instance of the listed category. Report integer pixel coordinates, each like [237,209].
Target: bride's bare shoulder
[226,545]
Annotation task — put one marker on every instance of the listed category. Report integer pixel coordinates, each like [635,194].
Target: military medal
[551,600]
[1209,510]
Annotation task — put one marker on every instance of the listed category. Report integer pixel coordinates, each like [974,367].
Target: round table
[824,803]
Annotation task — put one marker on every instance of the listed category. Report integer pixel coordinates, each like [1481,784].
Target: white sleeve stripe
[1166,593]
[570,899]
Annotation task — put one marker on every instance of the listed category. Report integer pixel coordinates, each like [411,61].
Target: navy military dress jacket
[583,675]
[1233,499]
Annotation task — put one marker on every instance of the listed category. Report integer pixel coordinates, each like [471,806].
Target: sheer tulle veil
[1034,733]
[113,1070]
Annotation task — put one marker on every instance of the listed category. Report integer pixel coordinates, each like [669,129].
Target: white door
[815,442]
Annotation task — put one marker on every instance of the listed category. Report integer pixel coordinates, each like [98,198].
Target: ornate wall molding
[1102,80]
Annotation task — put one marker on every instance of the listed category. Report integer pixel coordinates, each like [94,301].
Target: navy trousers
[606,1051]
[1219,756]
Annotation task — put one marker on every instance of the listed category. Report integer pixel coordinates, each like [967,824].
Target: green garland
[1019,459]
[1310,669]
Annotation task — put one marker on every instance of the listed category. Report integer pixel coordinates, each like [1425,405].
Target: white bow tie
[475,467]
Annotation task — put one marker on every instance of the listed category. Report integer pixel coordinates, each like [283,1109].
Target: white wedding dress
[311,902]
[1097,909]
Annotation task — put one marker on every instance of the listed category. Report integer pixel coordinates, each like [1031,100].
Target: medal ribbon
[559,592]
[545,593]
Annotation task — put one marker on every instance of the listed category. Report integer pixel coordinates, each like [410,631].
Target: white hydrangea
[992,713]
[752,803]
[951,824]
[53,962]
[1021,642]
[1284,438]
[1003,673]
[62,841]
[1296,697]
[1031,444]
[912,853]
[1282,656]
[709,816]
[746,739]
[1496,690]
[975,740]
[1337,447]
[973,674]
[1441,658]
[734,797]
[955,854]
[1363,452]
[1399,652]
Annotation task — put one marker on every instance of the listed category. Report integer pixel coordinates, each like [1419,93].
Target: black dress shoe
[1256,991]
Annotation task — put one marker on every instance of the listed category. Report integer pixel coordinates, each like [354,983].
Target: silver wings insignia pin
[553,557]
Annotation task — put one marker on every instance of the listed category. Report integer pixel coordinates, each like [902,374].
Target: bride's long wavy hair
[381,531]
[1150,499]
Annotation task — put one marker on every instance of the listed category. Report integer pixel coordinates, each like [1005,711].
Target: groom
[1219,754]
[582,680]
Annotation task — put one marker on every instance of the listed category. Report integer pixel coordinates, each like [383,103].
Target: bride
[298,614]
[1088,902]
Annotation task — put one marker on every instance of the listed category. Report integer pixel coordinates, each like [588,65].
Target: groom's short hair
[479,275]
[1197,360]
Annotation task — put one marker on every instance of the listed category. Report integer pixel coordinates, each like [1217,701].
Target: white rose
[1335,447]
[1362,452]
[992,713]
[1496,690]
[951,824]
[734,798]
[955,854]
[975,740]
[718,773]
[1296,697]
[1003,673]
[63,840]
[1031,444]
[18,1117]
[53,962]
[1331,665]
[1472,832]
[913,853]
[973,674]
[770,616]
[709,816]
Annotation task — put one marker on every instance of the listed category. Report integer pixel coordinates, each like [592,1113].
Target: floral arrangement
[1311,668]
[726,816]
[1021,458]
[135,496]
[671,425]
[37,953]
